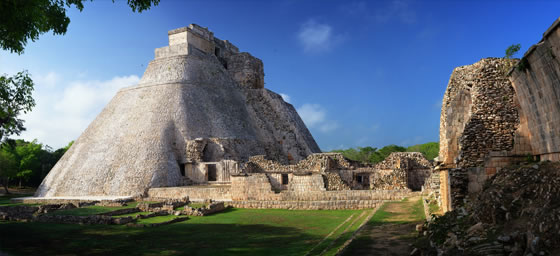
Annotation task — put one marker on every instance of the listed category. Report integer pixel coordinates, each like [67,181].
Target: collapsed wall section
[479,115]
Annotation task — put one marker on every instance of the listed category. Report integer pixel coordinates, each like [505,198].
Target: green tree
[369,154]
[511,51]
[21,21]
[28,159]
[8,168]
[384,152]
[430,150]
[15,99]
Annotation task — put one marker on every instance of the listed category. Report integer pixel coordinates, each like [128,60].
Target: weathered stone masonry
[481,127]
[537,82]
[485,129]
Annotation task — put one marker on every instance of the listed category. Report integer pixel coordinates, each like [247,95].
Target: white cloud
[315,116]
[317,37]
[285,97]
[63,113]
[312,114]
[49,80]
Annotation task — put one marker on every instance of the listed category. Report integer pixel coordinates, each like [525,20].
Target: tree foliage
[27,162]
[25,20]
[430,150]
[373,155]
[512,50]
[15,99]
[369,154]
[8,168]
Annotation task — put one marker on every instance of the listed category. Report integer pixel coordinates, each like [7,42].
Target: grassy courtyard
[232,232]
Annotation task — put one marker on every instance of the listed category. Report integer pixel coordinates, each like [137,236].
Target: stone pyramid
[200,99]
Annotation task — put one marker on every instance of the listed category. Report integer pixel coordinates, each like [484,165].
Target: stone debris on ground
[517,213]
[31,213]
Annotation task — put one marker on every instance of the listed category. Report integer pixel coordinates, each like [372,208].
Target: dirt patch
[390,235]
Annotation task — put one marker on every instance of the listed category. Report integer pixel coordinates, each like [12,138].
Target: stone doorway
[212,172]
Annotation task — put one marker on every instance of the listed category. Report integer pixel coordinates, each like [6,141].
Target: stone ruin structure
[499,112]
[199,109]
[321,181]
[200,124]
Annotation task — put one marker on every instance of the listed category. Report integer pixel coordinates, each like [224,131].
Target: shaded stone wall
[536,80]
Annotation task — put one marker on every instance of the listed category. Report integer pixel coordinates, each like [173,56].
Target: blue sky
[360,73]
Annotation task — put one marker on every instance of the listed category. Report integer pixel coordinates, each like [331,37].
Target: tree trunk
[5,184]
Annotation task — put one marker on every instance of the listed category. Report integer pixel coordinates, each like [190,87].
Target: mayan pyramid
[199,100]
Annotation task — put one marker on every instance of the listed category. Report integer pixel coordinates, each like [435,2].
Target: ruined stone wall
[479,115]
[390,179]
[481,128]
[306,183]
[404,160]
[333,181]
[401,170]
[313,163]
[536,80]
[198,193]
[255,186]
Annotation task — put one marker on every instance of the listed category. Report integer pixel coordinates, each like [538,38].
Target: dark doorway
[284,179]
[211,172]
[182,169]
[359,179]
[217,52]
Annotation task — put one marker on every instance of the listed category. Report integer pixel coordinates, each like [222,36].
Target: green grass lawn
[232,232]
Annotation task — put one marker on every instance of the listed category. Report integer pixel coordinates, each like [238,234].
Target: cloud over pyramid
[199,101]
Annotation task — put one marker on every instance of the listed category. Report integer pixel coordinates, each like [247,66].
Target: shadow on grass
[175,239]
[5,199]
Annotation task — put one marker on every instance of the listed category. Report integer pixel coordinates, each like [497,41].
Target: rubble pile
[517,213]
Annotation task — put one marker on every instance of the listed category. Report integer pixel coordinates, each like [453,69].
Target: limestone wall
[306,183]
[252,187]
[196,193]
[536,80]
